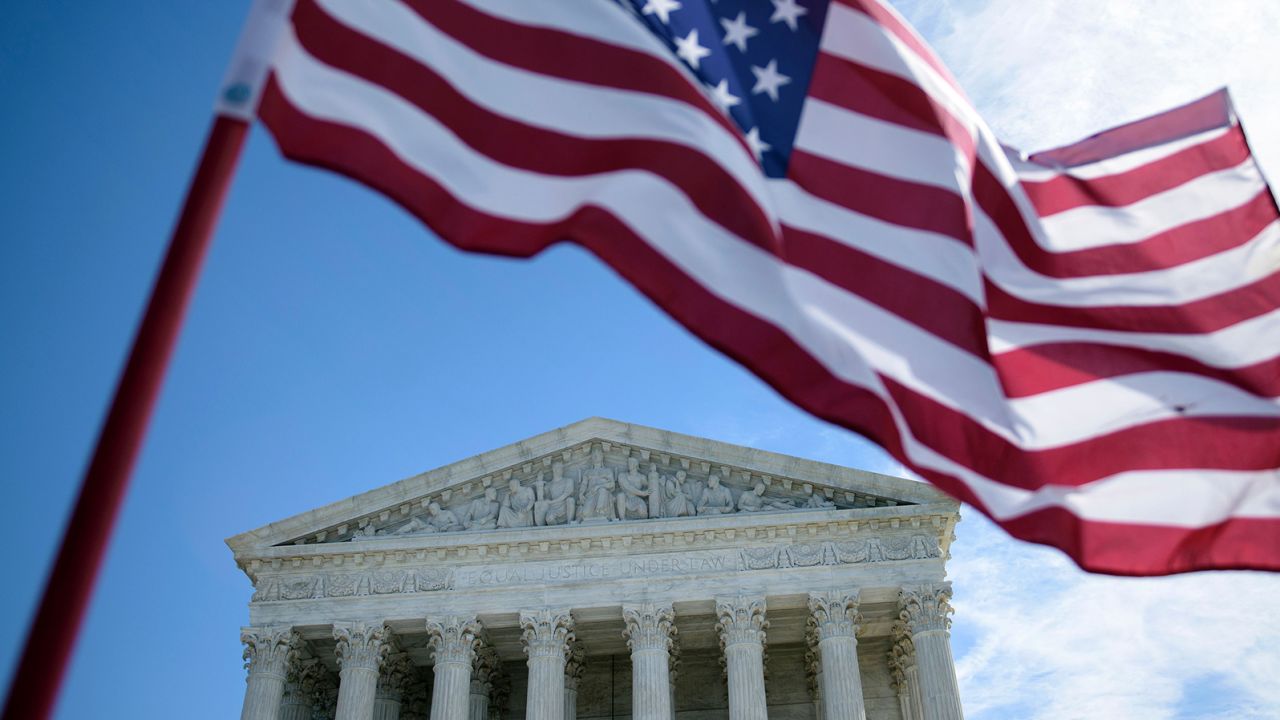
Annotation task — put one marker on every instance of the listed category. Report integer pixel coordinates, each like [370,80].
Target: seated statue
[716,498]
[517,506]
[675,503]
[438,520]
[595,490]
[555,504]
[482,513]
[633,497]
[754,501]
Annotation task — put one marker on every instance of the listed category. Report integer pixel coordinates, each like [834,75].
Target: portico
[827,573]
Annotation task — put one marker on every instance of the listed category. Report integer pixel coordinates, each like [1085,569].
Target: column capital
[835,614]
[926,607]
[575,665]
[361,645]
[487,667]
[648,626]
[454,638]
[269,649]
[396,676]
[741,619]
[546,632]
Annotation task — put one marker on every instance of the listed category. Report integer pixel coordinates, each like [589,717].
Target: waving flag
[1081,343]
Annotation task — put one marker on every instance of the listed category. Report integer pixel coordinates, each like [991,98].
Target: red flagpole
[52,635]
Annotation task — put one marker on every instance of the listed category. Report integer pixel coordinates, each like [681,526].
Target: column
[486,667]
[453,640]
[741,626]
[813,667]
[501,696]
[300,683]
[836,618]
[926,611]
[361,647]
[573,669]
[397,673]
[674,674]
[649,629]
[902,665]
[547,635]
[268,652]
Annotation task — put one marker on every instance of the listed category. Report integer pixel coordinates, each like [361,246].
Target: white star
[737,31]
[758,146]
[722,98]
[662,8]
[768,80]
[787,11]
[689,49]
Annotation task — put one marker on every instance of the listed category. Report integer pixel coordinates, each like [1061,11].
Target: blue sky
[334,346]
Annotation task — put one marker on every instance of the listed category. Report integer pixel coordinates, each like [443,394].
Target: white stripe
[1246,343]
[938,257]
[601,20]
[1031,171]
[571,108]
[823,319]
[1092,226]
[881,147]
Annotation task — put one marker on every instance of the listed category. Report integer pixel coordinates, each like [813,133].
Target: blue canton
[754,58]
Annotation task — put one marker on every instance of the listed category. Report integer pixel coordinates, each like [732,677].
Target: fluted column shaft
[453,641]
[360,650]
[837,621]
[268,652]
[649,629]
[926,611]
[575,665]
[547,637]
[742,628]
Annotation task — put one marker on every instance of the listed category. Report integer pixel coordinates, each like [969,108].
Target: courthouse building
[608,570]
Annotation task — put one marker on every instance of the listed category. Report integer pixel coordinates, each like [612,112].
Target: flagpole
[52,634]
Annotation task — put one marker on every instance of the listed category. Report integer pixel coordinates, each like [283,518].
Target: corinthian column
[268,652]
[906,679]
[361,647]
[741,626]
[547,635]
[836,619]
[926,611]
[454,639]
[573,669]
[813,666]
[486,669]
[300,688]
[393,682]
[649,629]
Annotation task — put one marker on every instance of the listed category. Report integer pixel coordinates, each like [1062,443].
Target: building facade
[608,570]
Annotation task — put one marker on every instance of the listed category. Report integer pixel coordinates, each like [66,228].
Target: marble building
[607,570]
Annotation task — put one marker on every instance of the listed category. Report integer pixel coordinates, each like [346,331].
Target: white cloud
[1034,636]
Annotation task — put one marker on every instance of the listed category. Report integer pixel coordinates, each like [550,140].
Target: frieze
[387,581]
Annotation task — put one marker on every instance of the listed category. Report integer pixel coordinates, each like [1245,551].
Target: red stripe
[575,57]
[1176,246]
[716,192]
[1051,366]
[758,345]
[888,20]
[884,198]
[1065,191]
[1207,113]
[1197,317]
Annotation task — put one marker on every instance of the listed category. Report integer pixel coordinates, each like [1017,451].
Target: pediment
[590,473]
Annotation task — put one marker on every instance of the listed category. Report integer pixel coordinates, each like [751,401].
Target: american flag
[1081,343]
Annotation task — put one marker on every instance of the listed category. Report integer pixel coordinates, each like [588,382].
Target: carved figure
[595,490]
[482,513]
[517,506]
[675,501]
[555,505]
[692,490]
[656,487]
[815,501]
[754,501]
[716,498]
[438,520]
[633,496]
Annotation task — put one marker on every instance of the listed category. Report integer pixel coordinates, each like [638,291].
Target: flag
[1082,343]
